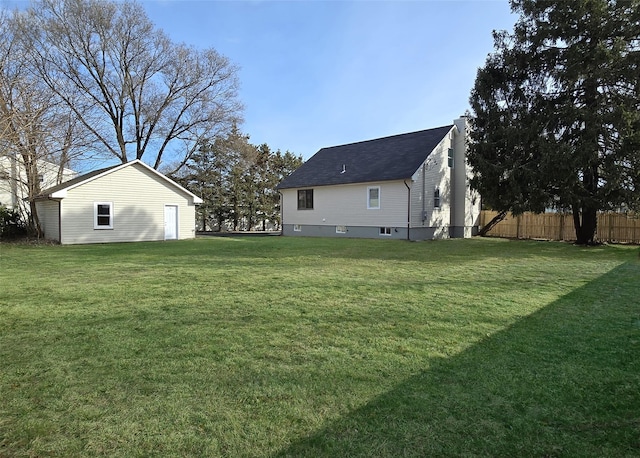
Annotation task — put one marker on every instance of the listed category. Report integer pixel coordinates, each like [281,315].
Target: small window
[305,199]
[450,157]
[436,198]
[341,229]
[103,215]
[373,198]
[40,178]
[297,228]
[385,231]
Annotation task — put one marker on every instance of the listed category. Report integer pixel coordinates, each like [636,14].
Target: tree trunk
[585,221]
[585,213]
[33,189]
[491,224]
[34,221]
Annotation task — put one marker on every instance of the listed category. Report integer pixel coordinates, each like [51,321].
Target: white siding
[7,197]
[433,174]
[346,205]
[49,218]
[138,197]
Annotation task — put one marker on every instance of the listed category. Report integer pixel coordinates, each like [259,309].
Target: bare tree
[35,128]
[139,94]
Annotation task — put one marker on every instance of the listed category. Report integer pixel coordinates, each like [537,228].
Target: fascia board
[59,194]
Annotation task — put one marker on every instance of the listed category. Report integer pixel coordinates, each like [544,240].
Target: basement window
[297,228]
[341,229]
[103,215]
[385,231]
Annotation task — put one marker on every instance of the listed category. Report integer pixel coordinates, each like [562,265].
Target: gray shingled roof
[390,158]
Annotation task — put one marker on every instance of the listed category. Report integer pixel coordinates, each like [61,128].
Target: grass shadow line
[561,382]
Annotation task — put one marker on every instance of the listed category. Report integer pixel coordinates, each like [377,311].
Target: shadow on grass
[564,381]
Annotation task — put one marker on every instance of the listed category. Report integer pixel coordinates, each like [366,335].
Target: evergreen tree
[236,181]
[556,111]
[280,166]
[239,200]
[205,174]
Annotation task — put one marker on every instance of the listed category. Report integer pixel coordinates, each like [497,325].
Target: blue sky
[324,73]
[328,72]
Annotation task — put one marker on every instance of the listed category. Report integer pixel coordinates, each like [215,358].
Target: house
[13,180]
[124,203]
[412,186]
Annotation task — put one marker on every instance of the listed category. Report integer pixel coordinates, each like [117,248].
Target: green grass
[276,347]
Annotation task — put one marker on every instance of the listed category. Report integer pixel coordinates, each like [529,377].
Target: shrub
[11,223]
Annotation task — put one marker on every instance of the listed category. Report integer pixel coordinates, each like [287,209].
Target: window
[385,231]
[305,199]
[373,198]
[41,178]
[341,229]
[436,198]
[103,215]
[450,157]
[297,228]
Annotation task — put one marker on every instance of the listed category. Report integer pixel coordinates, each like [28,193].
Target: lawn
[277,347]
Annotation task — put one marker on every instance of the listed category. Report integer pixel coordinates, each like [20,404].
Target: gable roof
[384,159]
[60,191]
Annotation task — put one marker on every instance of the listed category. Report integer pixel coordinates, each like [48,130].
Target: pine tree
[204,175]
[237,182]
[556,111]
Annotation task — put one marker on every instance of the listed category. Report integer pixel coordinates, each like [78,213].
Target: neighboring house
[412,186]
[13,181]
[124,203]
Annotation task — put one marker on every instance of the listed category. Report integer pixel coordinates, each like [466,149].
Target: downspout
[424,193]
[408,209]
[60,222]
[281,213]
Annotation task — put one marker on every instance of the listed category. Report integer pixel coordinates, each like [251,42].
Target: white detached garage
[125,203]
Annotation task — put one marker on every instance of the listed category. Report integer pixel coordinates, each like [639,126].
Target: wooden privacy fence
[612,227]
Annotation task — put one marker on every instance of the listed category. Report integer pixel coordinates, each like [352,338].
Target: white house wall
[7,194]
[459,211]
[49,218]
[13,181]
[139,198]
[433,174]
[347,205]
